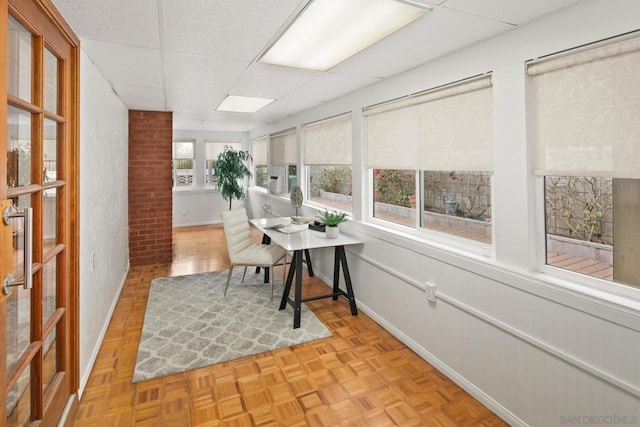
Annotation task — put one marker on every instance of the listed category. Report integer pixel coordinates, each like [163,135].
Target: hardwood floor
[362,376]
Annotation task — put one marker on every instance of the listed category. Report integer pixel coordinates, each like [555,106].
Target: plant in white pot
[331,221]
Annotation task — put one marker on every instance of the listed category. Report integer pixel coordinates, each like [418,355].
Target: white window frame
[175,159]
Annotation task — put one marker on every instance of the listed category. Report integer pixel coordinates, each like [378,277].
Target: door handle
[7,217]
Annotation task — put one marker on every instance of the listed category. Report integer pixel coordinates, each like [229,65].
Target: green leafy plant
[332,219]
[231,168]
[336,180]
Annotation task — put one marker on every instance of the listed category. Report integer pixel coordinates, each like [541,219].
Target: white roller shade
[456,132]
[586,112]
[284,148]
[328,142]
[445,129]
[213,148]
[183,150]
[392,139]
[259,150]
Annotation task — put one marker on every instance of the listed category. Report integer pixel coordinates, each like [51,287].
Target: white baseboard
[84,377]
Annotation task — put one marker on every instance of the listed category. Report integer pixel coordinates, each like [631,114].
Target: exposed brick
[150,192]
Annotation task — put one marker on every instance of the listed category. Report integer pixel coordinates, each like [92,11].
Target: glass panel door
[36,194]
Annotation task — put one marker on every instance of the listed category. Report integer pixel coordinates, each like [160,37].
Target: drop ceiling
[185,56]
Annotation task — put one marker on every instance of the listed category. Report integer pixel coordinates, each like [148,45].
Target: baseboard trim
[84,378]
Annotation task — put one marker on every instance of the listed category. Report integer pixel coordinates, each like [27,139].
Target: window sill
[194,190]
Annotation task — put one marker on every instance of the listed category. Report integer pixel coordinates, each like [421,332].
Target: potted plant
[332,220]
[231,168]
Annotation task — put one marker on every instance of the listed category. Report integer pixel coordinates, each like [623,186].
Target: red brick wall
[150,192]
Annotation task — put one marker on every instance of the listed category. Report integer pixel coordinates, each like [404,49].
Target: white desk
[305,240]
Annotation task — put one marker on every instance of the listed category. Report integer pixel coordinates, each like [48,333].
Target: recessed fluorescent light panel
[329,31]
[243,104]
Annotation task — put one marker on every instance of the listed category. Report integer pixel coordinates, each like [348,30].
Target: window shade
[445,129]
[284,148]
[213,148]
[259,151]
[328,142]
[183,150]
[586,112]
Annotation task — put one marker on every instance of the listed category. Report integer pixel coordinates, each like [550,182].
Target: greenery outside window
[183,163]
[394,196]
[458,203]
[330,186]
[579,223]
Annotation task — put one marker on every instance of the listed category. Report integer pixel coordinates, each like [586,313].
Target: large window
[431,156]
[327,157]
[283,175]
[259,154]
[183,163]
[585,109]
[212,149]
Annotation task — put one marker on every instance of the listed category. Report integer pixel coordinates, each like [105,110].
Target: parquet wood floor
[362,376]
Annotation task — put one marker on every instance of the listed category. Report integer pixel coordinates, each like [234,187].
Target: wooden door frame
[72,160]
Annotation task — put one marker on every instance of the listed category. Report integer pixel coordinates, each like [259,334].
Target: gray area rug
[188,323]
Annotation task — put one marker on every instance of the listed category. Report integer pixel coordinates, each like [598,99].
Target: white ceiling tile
[510,11]
[332,85]
[287,106]
[427,38]
[271,81]
[125,64]
[141,98]
[238,29]
[133,22]
[197,73]
[190,100]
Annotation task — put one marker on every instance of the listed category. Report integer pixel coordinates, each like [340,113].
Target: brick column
[150,191]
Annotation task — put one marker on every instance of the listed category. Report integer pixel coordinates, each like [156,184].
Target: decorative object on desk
[300,220]
[296,198]
[230,169]
[332,220]
[188,324]
[317,226]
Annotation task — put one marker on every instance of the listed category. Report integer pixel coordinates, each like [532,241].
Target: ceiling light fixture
[329,31]
[243,104]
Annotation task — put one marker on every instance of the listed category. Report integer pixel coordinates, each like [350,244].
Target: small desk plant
[332,220]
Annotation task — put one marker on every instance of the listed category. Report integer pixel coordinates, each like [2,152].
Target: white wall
[537,350]
[199,205]
[104,242]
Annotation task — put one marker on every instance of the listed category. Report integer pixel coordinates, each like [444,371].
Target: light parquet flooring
[362,376]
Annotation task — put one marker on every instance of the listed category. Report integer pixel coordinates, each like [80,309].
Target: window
[431,156]
[259,154]
[212,149]
[284,158]
[327,157]
[394,195]
[183,163]
[458,203]
[585,107]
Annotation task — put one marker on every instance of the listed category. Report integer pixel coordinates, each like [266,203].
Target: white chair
[242,251]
